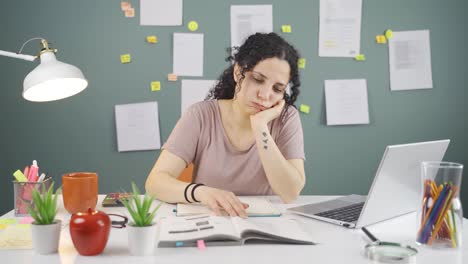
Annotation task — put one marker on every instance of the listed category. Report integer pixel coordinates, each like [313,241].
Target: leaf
[151,216]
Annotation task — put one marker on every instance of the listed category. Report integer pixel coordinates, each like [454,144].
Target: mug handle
[119,224]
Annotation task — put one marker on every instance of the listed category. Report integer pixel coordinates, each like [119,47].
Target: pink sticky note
[26,220]
[201,244]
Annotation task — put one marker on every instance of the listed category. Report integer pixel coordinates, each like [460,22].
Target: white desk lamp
[51,80]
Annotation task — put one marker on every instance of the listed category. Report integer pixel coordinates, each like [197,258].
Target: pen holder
[23,194]
[440,215]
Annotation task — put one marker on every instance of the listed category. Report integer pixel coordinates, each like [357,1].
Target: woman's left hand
[263,117]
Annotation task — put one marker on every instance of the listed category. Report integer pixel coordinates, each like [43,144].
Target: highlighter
[33,172]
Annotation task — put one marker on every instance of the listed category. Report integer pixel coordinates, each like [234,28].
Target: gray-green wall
[78,133]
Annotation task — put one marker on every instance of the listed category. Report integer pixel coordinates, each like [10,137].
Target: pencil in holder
[23,194]
[440,215]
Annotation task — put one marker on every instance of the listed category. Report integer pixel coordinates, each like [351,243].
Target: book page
[272,229]
[257,207]
[187,229]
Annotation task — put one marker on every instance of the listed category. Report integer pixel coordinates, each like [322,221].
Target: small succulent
[139,208]
[44,206]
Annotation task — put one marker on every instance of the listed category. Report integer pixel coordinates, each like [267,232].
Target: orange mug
[80,191]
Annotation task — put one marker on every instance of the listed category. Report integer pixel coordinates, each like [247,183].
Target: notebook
[257,207]
[395,190]
[226,231]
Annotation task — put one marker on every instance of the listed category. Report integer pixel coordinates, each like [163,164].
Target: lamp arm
[18,56]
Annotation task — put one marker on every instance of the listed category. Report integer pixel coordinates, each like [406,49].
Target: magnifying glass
[388,252]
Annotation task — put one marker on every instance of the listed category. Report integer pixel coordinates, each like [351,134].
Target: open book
[257,207]
[221,231]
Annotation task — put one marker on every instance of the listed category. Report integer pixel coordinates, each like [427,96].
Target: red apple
[90,231]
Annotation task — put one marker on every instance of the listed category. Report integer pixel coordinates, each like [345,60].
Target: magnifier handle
[369,234]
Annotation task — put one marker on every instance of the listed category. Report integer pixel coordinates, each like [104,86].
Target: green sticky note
[360,57]
[388,33]
[304,108]
[19,176]
[301,63]
[8,221]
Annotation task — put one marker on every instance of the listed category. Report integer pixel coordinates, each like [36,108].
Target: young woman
[246,140]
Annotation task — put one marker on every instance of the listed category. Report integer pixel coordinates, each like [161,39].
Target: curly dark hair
[258,47]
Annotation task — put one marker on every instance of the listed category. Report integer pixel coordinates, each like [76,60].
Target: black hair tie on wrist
[193,191]
[185,192]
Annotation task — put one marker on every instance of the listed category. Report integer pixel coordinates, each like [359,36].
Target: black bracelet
[193,191]
[185,192]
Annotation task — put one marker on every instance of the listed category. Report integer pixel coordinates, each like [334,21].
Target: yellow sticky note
[155,86]
[360,57]
[151,39]
[380,39]
[125,6]
[130,12]
[172,77]
[304,108]
[286,28]
[2,226]
[125,58]
[192,25]
[8,221]
[388,33]
[301,63]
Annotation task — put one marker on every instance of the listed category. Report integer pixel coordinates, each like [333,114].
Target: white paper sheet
[346,102]
[194,91]
[410,60]
[188,54]
[161,12]
[249,19]
[137,126]
[340,28]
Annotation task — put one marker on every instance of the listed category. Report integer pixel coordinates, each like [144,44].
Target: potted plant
[142,231]
[45,230]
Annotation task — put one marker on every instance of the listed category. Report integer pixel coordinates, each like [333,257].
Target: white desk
[337,245]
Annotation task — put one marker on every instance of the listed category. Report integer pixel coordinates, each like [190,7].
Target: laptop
[395,190]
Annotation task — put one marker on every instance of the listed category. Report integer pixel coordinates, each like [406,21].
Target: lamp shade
[53,80]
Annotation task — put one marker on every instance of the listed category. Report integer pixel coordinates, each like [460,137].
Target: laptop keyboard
[347,214]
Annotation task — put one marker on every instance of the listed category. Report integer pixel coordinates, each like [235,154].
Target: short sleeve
[290,139]
[183,140]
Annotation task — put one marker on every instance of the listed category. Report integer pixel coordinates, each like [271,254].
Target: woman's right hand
[218,200]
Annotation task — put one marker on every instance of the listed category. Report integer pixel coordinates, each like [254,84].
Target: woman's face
[264,86]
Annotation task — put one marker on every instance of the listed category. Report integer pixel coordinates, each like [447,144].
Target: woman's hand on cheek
[263,117]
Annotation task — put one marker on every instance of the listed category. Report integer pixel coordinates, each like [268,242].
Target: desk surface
[336,244]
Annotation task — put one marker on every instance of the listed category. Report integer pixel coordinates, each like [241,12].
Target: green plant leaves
[45,205]
[138,209]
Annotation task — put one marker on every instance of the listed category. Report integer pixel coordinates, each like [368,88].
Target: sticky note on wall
[380,39]
[151,39]
[130,12]
[301,63]
[155,86]
[388,33]
[286,28]
[192,25]
[125,58]
[125,6]
[172,77]
[360,57]
[304,108]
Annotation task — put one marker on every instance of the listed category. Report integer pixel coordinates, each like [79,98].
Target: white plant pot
[45,238]
[141,240]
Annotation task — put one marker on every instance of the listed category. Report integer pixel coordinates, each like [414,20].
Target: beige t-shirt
[199,138]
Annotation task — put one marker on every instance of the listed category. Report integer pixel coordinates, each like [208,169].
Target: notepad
[257,207]
[14,235]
